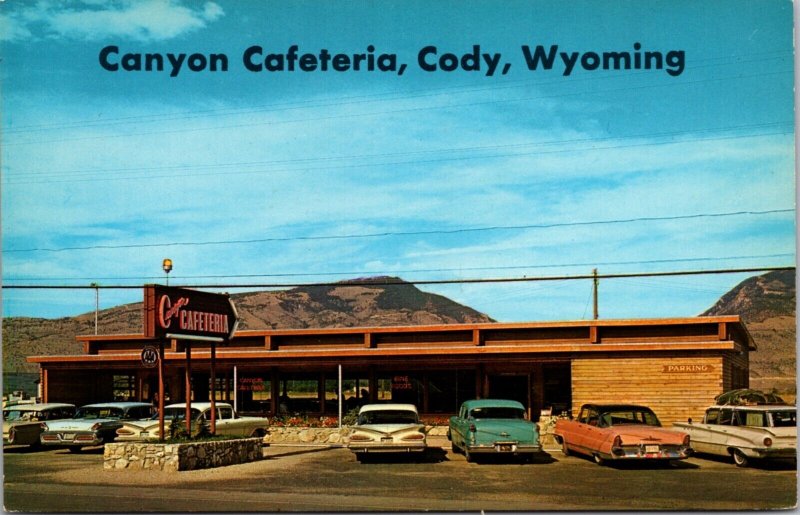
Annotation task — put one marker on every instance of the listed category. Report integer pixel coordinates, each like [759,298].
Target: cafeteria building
[676,366]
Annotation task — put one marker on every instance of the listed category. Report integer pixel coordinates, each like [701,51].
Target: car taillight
[472,428]
[617,442]
[686,441]
[767,442]
[415,436]
[43,426]
[96,426]
[360,438]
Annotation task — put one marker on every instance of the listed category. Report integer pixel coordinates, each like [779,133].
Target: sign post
[192,315]
[161,389]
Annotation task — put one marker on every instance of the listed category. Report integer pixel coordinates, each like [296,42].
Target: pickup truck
[745,432]
[493,426]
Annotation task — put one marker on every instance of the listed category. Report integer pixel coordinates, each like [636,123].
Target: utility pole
[594,290]
[96,304]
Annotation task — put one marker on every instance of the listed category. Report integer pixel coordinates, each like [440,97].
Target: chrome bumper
[385,448]
[504,448]
[70,438]
[641,452]
[774,453]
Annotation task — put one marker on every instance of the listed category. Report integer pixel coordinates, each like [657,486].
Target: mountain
[377,301]
[767,304]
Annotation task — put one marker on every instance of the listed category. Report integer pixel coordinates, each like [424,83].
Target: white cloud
[147,20]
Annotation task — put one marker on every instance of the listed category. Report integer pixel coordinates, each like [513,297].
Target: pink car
[620,432]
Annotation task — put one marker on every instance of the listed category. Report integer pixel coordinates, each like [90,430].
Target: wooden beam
[43,380]
[477,337]
[594,334]
[368,343]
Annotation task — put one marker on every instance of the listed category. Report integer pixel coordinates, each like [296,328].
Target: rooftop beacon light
[166,265]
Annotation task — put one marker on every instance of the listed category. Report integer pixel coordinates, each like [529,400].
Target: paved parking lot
[294,478]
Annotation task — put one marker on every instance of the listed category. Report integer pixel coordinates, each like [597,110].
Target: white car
[22,423]
[93,424]
[745,432]
[387,428]
[228,422]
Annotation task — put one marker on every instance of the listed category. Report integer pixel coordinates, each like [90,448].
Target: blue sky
[292,177]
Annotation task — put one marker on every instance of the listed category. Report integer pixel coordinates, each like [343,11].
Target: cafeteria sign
[182,313]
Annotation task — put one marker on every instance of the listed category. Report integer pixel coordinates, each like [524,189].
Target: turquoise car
[493,426]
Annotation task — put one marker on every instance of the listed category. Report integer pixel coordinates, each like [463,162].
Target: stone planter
[174,457]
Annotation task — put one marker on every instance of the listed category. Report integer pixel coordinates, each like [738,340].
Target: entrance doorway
[513,387]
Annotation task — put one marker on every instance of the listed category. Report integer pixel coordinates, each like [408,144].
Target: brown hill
[379,301]
[766,304]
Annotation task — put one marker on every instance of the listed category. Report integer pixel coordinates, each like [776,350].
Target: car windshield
[497,412]
[99,412]
[177,413]
[388,417]
[11,415]
[784,418]
[628,416]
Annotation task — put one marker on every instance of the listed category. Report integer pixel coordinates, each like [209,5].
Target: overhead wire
[758,57]
[388,112]
[396,282]
[451,150]
[406,233]
[364,273]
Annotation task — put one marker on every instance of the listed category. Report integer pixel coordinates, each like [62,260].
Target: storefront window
[355,393]
[299,396]
[407,388]
[447,390]
[124,387]
[255,394]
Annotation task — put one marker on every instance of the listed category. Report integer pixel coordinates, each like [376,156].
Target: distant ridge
[767,305]
[374,301]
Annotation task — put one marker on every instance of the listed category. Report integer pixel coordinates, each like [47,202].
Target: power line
[393,111]
[405,233]
[417,162]
[451,150]
[362,273]
[391,282]
[759,57]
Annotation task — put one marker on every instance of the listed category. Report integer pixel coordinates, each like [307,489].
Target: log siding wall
[672,395]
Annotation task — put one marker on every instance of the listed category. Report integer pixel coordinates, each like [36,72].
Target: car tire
[564,449]
[75,449]
[468,455]
[739,458]
[258,433]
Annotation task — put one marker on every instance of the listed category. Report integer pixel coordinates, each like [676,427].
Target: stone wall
[307,435]
[324,435]
[180,456]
